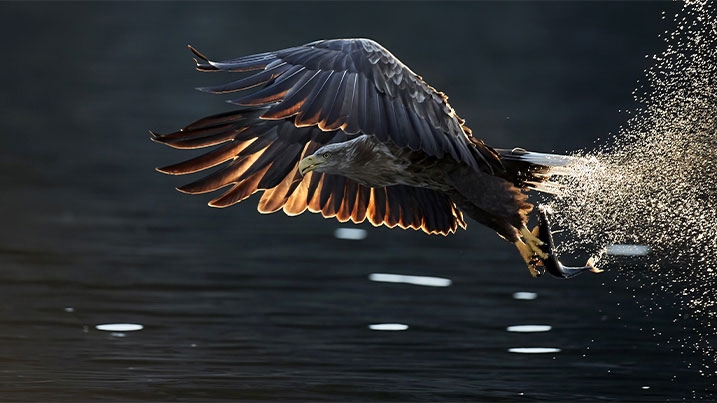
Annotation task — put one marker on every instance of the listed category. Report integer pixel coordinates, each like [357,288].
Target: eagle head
[331,158]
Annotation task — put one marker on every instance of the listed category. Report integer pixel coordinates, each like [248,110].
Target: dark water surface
[236,305]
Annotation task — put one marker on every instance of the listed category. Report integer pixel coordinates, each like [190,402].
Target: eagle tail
[533,170]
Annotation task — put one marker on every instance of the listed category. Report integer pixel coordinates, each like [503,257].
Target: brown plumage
[371,138]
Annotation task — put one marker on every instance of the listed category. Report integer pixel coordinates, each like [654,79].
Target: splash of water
[656,183]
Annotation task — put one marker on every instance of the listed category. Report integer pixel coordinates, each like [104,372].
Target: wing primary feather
[235,116]
[393,208]
[274,91]
[202,65]
[330,209]
[316,109]
[347,114]
[381,129]
[283,165]
[269,156]
[428,139]
[411,208]
[426,211]
[437,213]
[314,185]
[221,177]
[289,133]
[238,192]
[264,137]
[248,82]
[405,127]
[310,110]
[245,63]
[333,119]
[297,201]
[303,55]
[350,196]
[410,215]
[295,98]
[397,205]
[276,197]
[363,198]
[189,140]
[377,207]
[204,161]
[440,209]
[353,125]
[337,195]
[360,111]
[313,198]
[394,132]
[327,188]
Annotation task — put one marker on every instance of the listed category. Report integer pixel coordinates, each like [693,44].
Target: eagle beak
[310,163]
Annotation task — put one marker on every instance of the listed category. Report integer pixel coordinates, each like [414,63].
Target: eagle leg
[530,258]
[533,242]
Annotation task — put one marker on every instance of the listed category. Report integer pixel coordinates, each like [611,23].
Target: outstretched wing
[325,92]
[358,86]
[263,155]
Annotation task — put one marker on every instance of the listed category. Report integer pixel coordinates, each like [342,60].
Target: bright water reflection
[534,350]
[525,295]
[388,326]
[354,234]
[408,279]
[120,327]
[529,328]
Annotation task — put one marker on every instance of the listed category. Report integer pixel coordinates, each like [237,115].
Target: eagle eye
[326,155]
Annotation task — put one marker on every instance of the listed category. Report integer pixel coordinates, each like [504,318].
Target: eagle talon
[536,267]
[532,260]
[533,242]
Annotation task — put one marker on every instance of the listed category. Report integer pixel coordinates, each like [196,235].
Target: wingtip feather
[197,53]
[217,204]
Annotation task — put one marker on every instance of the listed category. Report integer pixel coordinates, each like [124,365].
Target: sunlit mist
[651,192]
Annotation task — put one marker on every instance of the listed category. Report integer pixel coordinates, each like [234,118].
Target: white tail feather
[538,168]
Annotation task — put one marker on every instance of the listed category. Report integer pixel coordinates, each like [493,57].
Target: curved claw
[552,263]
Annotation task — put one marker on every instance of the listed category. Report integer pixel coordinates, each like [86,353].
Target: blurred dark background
[240,305]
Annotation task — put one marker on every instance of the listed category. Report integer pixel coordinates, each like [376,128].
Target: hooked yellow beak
[310,163]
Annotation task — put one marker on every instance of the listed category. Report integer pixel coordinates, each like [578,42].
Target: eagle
[343,128]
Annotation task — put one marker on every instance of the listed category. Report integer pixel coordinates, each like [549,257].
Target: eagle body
[484,196]
[343,128]
[373,164]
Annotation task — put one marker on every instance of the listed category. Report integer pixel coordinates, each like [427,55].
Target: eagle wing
[315,94]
